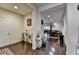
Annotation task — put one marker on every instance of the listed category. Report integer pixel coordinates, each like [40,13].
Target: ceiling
[56,15]
[39,4]
[23,9]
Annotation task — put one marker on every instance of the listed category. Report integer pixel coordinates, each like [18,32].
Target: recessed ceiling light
[15,7]
[48,16]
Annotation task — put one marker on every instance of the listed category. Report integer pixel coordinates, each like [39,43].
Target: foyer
[39,28]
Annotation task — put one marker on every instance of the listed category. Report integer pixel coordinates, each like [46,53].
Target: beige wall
[10,23]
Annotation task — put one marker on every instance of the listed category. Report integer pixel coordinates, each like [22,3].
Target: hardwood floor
[52,48]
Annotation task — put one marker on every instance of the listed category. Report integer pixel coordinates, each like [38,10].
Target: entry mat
[6,51]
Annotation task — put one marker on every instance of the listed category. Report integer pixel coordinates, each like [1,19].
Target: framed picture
[29,22]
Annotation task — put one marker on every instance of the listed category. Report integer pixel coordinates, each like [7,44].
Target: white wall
[73,24]
[39,25]
[29,28]
[34,28]
[11,23]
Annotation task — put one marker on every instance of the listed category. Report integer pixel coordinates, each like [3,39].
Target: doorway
[54,31]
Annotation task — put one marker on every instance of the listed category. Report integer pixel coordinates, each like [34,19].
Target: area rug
[6,51]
